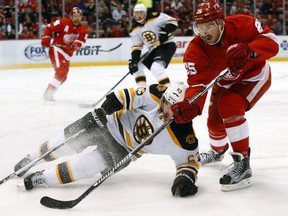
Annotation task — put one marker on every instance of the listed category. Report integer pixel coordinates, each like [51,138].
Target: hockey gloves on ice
[183,186]
[133,66]
[184,112]
[237,57]
[45,42]
[95,119]
[92,120]
[163,35]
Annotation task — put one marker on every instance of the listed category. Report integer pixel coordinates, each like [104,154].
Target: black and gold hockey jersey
[148,33]
[141,115]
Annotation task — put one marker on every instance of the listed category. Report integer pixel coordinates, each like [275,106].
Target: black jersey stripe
[63,173]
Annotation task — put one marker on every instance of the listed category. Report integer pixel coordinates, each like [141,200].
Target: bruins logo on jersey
[142,129]
[149,36]
[190,139]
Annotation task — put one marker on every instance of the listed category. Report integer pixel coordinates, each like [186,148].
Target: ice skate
[48,95]
[211,157]
[34,179]
[21,164]
[239,176]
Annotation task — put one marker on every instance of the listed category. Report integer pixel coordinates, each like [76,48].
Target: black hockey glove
[163,35]
[133,66]
[95,119]
[183,186]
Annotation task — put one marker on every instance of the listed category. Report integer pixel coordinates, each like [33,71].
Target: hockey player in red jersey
[126,118]
[70,35]
[240,43]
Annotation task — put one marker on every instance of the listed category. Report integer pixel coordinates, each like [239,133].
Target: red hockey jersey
[204,62]
[66,33]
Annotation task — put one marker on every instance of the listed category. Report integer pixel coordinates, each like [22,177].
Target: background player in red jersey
[70,35]
[240,43]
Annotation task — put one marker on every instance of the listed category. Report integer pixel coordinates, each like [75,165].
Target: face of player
[139,16]
[210,32]
[166,109]
[76,18]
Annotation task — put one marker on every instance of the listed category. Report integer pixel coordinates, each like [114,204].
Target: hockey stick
[82,105]
[92,49]
[60,204]
[32,163]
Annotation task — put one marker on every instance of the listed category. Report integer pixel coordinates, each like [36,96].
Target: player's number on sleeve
[190,68]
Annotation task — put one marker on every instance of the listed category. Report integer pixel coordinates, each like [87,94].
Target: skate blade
[240,185]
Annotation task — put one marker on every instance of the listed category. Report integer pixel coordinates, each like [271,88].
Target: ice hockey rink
[143,188]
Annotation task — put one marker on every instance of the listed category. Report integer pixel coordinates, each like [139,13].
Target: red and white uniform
[232,96]
[66,33]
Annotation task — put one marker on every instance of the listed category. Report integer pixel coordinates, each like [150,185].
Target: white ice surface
[143,188]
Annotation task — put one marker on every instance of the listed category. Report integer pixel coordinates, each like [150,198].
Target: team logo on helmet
[142,129]
[75,10]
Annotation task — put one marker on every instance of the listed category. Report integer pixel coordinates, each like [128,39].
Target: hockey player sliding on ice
[240,43]
[70,35]
[126,118]
[150,30]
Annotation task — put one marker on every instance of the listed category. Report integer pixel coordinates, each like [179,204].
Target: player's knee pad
[112,151]
[216,129]
[231,104]
[61,74]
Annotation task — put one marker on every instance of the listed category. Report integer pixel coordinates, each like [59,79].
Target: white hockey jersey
[148,33]
[141,116]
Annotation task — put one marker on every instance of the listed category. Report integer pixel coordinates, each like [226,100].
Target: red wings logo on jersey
[70,38]
[142,129]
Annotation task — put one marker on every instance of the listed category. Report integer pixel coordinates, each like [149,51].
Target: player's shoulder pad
[149,17]
[152,15]
[185,135]
[135,25]
[157,90]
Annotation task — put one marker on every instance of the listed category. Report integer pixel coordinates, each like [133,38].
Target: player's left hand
[76,46]
[163,35]
[183,186]
[237,57]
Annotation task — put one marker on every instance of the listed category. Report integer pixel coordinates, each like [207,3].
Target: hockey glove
[163,35]
[133,66]
[95,119]
[45,42]
[183,186]
[237,57]
[184,112]
[76,46]
[92,120]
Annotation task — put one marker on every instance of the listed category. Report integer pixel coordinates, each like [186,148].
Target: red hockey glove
[184,112]
[237,57]
[76,46]
[45,42]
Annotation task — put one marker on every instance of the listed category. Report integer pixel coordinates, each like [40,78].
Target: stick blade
[82,105]
[57,204]
[116,47]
